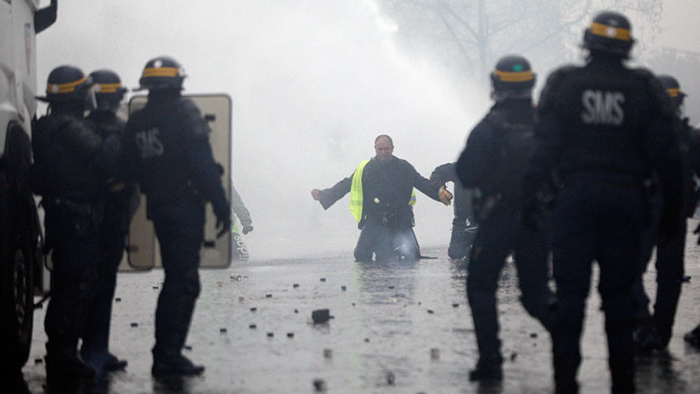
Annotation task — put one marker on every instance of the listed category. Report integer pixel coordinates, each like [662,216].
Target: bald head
[384,147]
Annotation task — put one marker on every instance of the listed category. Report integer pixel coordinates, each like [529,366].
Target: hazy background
[312,82]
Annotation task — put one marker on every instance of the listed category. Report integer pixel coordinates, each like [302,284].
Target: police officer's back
[602,127]
[168,152]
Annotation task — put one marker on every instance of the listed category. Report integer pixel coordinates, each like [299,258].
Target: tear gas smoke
[312,84]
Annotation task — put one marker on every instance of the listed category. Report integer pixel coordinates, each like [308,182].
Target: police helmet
[108,89]
[673,89]
[610,32]
[512,78]
[67,84]
[162,73]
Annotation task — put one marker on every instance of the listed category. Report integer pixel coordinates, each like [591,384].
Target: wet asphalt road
[396,328]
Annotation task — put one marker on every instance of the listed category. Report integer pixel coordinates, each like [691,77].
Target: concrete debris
[390,378]
[435,353]
[320,385]
[328,353]
[321,315]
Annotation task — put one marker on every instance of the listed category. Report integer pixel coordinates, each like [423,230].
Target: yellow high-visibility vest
[357,197]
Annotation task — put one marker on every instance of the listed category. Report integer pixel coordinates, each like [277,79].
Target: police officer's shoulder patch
[195,127]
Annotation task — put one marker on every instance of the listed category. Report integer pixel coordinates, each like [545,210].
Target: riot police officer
[109,93]
[654,331]
[168,151]
[603,127]
[492,164]
[66,173]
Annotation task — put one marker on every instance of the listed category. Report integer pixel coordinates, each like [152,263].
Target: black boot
[175,365]
[646,339]
[102,362]
[66,371]
[693,337]
[487,369]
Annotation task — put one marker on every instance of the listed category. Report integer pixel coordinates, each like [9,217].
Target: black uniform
[167,150]
[464,223]
[68,158]
[492,164]
[602,127]
[387,218]
[113,230]
[654,332]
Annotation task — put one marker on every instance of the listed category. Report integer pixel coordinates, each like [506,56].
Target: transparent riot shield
[142,246]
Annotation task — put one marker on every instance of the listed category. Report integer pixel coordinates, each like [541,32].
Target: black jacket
[604,120]
[387,188]
[498,150]
[168,153]
[462,197]
[68,159]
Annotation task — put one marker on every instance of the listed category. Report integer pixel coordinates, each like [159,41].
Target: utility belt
[70,218]
[391,220]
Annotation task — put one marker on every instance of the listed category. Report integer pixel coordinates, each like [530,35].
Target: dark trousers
[73,283]
[603,224]
[461,238]
[498,236]
[669,279]
[388,242]
[180,231]
[96,333]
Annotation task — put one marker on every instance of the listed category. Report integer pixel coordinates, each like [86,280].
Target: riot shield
[142,247]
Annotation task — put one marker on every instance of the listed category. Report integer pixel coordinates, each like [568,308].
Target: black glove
[247,229]
[223,224]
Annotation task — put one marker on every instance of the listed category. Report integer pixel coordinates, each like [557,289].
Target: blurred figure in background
[464,224]
[654,330]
